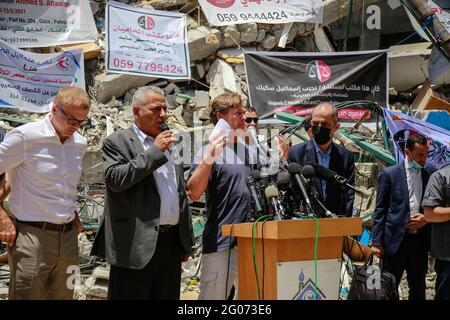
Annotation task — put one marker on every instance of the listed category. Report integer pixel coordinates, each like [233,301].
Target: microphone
[164,127]
[308,171]
[283,180]
[256,174]
[252,133]
[330,175]
[327,174]
[271,193]
[254,194]
[295,170]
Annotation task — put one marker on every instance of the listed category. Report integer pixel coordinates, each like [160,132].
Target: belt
[49,226]
[165,227]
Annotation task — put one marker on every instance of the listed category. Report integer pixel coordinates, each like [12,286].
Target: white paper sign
[43,23]
[225,12]
[29,81]
[146,42]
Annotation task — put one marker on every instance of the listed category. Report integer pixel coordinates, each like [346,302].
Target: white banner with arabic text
[146,42]
[43,23]
[225,12]
[29,81]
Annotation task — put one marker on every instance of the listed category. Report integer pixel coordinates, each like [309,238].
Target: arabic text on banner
[296,82]
[29,81]
[401,126]
[225,12]
[146,42]
[43,23]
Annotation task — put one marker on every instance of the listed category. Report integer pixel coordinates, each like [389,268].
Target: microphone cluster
[290,193]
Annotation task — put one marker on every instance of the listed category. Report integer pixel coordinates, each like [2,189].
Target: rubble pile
[217,66]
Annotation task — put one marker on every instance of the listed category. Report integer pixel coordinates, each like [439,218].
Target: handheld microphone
[164,127]
[254,194]
[295,170]
[271,193]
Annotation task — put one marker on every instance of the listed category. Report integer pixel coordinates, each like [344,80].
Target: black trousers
[412,256]
[160,279]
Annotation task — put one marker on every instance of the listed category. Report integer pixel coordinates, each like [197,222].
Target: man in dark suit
[323,151]
[400,233]
[147,225]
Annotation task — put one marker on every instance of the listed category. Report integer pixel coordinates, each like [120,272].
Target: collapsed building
[217,66]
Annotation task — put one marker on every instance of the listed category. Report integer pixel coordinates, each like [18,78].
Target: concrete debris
[203,42]
[231,36]
[249,32]
[108,85]
[222,78]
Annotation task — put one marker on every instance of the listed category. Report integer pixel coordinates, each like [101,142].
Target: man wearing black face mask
[323,151]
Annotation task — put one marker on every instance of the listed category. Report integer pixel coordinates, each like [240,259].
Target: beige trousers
[40,264]
[213,278]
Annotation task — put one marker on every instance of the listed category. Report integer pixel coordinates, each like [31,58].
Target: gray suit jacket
[127,236]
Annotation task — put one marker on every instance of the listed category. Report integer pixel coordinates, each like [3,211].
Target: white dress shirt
[414,181]
[43,172]
[166,182]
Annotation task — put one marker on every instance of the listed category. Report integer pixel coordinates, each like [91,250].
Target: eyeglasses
[250,120]
[70,120]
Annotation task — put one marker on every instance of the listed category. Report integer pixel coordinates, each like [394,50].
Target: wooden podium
[285,241]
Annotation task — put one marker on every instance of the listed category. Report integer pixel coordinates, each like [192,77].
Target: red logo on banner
[146,22]
[318,69]
[221,3]
[64,61]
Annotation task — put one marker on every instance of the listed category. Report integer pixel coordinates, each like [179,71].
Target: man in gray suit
[147,226]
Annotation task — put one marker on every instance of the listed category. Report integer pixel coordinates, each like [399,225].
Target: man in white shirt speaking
[43,160]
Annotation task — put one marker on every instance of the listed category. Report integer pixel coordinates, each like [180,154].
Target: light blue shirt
[166,183]
[323,159]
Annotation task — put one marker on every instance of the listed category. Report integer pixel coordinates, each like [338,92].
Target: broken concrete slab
[222,78]
[171,88]
[249,32]
[203,42]
[201,99]
[108,85]
[231,36]
[269,42]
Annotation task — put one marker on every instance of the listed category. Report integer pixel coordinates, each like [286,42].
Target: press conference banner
[225,12]
[296,82]
[146,42]
[43,23]
[29,81]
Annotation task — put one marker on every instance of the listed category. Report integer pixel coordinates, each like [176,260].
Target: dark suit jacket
[392,212]
[127,238]
[338,200]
